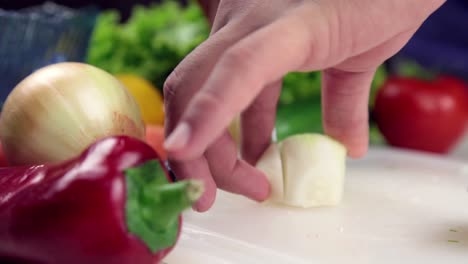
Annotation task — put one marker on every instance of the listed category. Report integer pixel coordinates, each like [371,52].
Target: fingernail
[178,138]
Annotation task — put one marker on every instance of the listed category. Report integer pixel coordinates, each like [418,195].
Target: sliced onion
[305,170]
[59,110]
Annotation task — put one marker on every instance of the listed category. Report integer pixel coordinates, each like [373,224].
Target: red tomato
[155,138]
[422,115]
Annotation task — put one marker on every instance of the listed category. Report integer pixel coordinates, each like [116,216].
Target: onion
[59,110]
[305,170]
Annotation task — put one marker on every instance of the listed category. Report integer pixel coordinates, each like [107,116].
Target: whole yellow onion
[59,110]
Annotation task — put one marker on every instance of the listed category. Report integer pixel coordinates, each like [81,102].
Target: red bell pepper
[3,159]
[114,204]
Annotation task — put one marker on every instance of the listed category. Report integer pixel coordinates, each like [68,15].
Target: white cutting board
[398,207]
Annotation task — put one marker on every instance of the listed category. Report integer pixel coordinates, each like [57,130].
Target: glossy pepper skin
[74,212]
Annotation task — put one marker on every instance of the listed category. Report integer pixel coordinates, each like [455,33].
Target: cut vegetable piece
[314,169]
[270,164]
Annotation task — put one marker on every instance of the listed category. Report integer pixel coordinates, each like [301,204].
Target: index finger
[261,58]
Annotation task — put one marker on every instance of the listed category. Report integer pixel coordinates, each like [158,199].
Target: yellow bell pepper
[147,96]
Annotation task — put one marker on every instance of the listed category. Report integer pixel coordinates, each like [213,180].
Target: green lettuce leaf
[151,43]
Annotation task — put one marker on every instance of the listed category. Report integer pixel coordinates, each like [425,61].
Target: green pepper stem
[171,199]
[154,204]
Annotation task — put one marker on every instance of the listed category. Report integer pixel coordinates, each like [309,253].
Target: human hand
[240,67]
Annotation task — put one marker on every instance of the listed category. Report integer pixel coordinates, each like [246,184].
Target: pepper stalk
[154,204]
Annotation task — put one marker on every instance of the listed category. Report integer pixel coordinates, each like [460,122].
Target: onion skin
[58,111]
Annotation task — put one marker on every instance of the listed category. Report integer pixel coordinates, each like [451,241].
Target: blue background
[442,41]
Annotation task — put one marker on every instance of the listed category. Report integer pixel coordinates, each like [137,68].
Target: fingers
[178,91]
[233,175]
[180,88]
[258,122]
[263,57]
[346,95]
[189,75]
[197,169]
[345,108]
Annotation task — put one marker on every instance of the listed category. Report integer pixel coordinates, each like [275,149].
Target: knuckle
[238,57]
[339,121]
[171,84]
[223,179]
[261,107]
[208,102]
[353,84]
[173,103]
